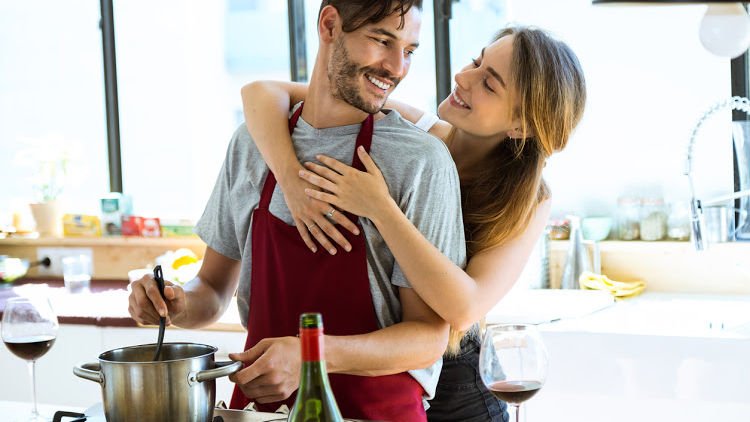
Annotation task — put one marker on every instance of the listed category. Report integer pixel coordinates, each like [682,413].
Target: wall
[649,80]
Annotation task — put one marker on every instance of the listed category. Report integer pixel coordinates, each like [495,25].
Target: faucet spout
[697,223]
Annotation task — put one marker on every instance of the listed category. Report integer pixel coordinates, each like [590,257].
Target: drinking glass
[513,363]
[77,273]
[29,330]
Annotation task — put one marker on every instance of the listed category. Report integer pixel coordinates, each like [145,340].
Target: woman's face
[480,102]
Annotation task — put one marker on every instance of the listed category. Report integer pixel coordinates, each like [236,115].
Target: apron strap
[364,139]
[270,184]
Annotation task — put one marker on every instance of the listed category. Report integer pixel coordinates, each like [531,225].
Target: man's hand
[273,371]
[145,304]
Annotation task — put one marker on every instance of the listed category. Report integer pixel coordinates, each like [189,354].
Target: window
[181,65]
[51,100]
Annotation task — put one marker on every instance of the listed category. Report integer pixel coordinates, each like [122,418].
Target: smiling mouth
[385,86]
[459,101]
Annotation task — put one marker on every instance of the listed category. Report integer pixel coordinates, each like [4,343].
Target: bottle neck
[311,340]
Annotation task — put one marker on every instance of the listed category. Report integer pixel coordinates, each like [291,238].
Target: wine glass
[29,330]
[513,363]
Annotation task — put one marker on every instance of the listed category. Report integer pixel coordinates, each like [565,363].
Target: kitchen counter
[658,356]
[106,305]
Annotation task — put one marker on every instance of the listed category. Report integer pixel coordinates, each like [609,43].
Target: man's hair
[358,13]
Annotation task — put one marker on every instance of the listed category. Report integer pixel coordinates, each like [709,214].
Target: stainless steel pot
[180,387]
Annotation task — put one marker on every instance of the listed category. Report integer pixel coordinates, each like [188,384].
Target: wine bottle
[315,401]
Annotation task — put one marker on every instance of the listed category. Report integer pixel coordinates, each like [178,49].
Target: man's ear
[329,24]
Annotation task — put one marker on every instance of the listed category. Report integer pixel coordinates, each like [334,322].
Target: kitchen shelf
[123,241]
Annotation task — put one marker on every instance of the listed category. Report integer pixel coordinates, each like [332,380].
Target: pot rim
[211,350]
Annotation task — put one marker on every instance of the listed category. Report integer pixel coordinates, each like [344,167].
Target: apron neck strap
[364,139]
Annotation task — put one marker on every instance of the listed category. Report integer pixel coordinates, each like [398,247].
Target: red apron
[289,279]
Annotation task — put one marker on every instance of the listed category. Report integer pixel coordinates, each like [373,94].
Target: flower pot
[48,218]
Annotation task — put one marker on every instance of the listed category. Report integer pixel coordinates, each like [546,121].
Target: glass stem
[32,374]
[517,408]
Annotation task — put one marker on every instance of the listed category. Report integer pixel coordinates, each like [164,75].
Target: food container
[653,219]
[628,218]
[559,229]
[179,387]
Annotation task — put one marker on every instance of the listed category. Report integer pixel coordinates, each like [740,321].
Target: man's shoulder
[405,136]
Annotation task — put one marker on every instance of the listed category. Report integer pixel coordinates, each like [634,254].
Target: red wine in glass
[30,348]
[29,330]
[515,392]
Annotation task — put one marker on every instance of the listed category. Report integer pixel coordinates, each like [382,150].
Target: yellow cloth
[619,289]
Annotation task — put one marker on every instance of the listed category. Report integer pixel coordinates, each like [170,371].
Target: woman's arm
[266,107]
[460,297]
[441,129]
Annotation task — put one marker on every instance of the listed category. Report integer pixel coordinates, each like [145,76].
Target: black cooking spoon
[159,277]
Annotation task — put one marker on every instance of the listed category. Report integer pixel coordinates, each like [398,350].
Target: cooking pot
[180,387]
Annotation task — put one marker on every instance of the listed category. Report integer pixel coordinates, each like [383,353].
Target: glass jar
[653,219]
[628,218]
[678,222]
[559,229]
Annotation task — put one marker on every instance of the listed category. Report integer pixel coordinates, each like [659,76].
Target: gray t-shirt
[420,175]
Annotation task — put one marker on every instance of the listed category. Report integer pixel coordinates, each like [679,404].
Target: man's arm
[415,343]
[199,302]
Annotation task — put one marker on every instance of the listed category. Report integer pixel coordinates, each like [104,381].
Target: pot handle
[89,371]
[222,369]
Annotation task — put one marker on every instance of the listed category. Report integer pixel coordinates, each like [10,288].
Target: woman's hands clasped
[362,193]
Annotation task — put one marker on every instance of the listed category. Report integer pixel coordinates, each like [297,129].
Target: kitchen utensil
[11,269]
[179,387]
[159,277]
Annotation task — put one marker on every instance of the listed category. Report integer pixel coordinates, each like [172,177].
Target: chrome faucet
[697,222]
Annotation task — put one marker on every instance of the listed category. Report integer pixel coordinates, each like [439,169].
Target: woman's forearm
[443,285]
[266,107]
[460,297]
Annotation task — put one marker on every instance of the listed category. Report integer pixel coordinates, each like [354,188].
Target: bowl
[596,228]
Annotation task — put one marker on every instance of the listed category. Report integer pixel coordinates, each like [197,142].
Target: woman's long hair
[499,203]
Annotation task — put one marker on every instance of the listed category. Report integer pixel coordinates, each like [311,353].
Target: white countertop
[651,313]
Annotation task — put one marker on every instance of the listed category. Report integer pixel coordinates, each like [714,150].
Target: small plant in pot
[50,171]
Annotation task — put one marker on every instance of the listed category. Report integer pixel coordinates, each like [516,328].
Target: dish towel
[618,289]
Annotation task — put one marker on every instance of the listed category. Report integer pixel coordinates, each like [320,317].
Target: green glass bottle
[315,401]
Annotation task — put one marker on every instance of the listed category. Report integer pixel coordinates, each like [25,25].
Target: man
[377,327]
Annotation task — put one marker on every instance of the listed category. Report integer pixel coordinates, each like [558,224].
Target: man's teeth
[382,85]
[458,100]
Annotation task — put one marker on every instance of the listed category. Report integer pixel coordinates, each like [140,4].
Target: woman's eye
[487,86]
[475,62]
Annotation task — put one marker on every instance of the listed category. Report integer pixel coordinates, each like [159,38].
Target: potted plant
[50,167]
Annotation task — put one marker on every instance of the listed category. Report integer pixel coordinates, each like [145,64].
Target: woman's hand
[310,217]
[346,188]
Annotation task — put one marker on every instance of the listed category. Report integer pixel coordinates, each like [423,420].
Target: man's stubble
[343,75]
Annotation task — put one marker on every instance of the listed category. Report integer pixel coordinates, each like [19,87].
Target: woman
[512,107]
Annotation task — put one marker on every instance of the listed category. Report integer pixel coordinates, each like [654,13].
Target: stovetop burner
[96,414]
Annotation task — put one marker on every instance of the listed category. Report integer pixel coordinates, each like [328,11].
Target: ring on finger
[330,212]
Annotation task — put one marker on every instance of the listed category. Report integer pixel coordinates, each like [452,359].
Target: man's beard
[343,75]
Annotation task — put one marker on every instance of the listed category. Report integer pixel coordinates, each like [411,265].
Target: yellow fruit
[184,260]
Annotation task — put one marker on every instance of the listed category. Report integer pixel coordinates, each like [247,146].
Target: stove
[96,414]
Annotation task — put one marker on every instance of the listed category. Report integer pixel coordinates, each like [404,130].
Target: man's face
[367,64]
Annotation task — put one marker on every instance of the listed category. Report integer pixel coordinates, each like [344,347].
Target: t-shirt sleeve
[433,205]
[427,121]
[217,225]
